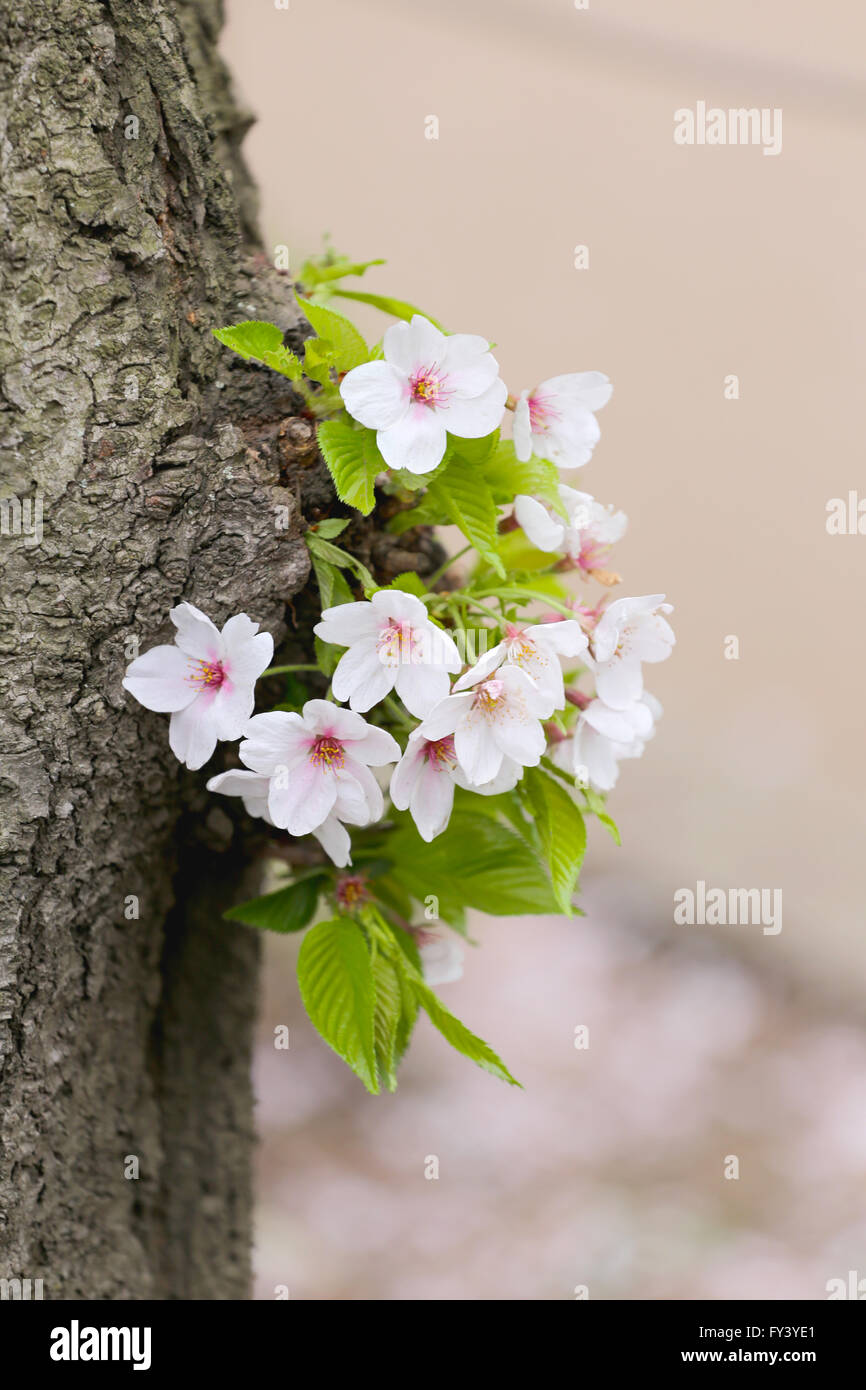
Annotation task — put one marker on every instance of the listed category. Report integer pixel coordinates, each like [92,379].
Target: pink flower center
[542,412]
[327,753]
[440,750]
[427,386]
[207,675]
[521,647]
[396,643]
[352,890]
[588,617]
[591,553]
[489,695]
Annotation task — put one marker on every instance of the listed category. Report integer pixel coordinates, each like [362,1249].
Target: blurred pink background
[555,131]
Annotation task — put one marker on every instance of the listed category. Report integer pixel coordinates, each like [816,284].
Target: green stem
[452,559]
[400,717]
[522,597]
[284,670]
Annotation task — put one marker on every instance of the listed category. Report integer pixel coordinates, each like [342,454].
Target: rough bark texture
[166,471]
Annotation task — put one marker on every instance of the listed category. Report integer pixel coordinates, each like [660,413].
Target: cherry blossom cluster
[405,717]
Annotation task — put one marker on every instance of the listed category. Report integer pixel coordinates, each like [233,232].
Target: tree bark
[166,471]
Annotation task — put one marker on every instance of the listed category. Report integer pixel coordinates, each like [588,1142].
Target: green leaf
[353,461]
[346,347]
[507,477]
[323,550]
[457,1034]
[474,451]
[562,830]
[409,583]
[333,589]
[408,1001]
[519,555]
[287,910]
[397,308]
[331,527]
[430,511]
[477,862]
[318,360]
[386,1018]
[335,978]
[610,825]
[505,804]
[467,500]
[261,342]
[322,270]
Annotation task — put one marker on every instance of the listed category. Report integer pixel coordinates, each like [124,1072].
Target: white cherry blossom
[318,765]
[556,420]
[206,681]
[423,781]
[497,719]
[629,631]
[603,737]
[254,789]
[587,534]
[392,645]
[251,787]
[535,648]
[428,383]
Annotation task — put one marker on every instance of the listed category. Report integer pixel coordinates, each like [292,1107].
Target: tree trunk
[165,472]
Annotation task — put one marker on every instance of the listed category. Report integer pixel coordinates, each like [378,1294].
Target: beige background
[556,130]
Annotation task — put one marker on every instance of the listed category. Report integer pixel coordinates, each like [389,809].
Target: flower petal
[361,677]
[432,800]
[566,638]
[544,530]
[589,389]
[421,688]
[192,733]
[323,717]
[521,429]
[252,788]
[248,652]
[483,667]
[478,752]
[417,441]
[394,603]
[411,345]
[355,770]
[406,773]
[619,683]
[444,717]
[335,841]
[472,418]
[232,707]
[347,622]
[302,798]
[520,738]
[273,740]
[570,441]
[376,748]
[375,394]
[159,680]
[196,634]
[469,364]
